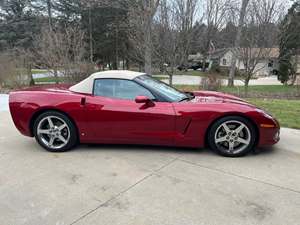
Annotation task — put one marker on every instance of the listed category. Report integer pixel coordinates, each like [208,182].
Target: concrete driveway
[109,185]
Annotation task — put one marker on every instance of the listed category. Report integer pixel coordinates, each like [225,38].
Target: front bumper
[269,136]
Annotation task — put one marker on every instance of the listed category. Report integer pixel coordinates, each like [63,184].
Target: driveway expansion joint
[122,192]
[239,176]
[111,199]
[166,165]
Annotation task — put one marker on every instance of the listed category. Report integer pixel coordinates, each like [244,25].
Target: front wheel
[55,132]
[232,136]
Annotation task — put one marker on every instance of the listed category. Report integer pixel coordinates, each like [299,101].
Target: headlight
[266,114]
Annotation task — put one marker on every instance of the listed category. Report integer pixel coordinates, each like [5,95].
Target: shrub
[12,72]
[78,72]
[211,83]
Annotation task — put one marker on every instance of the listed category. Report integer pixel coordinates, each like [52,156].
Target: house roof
[86,86]
[218,53]
[196,57]
[257,52]
[260,52]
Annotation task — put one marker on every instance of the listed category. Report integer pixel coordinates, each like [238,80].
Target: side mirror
[142,99]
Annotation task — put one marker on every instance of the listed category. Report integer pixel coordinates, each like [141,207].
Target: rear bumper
[20,116]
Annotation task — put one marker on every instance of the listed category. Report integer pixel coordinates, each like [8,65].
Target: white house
[264,60]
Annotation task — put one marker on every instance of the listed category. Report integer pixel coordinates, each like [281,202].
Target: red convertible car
[124,107]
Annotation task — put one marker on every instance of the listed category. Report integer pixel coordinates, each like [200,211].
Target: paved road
[195,80]
[124,185]
[47,74]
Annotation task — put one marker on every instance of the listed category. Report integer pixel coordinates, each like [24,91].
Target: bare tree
[7,68]
[237,41]
[61,51]
[142,14]
[184,20]
[258,36]
[215,18]
[173,32]
[166,38]
[15,68]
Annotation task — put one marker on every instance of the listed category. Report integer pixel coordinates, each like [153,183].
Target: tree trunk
[171,75]
[237,42]
[56,76]
[29,74]
[127,64]
[171,80]
[117,47]
[246,87]
[148,45]
[49,9]
[91,35]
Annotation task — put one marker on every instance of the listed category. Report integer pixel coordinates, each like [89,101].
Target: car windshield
[169,92]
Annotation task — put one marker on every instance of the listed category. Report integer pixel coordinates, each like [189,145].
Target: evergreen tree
[109,34]
[19,24]
[289,43]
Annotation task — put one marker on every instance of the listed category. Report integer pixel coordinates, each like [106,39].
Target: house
[195,58]
[264,61]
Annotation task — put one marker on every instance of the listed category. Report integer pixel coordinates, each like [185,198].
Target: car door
[115,117]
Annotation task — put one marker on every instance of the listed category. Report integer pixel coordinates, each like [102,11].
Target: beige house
[263,61]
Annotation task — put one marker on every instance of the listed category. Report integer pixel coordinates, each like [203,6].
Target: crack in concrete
[239,176]
[122,192]
[111,199]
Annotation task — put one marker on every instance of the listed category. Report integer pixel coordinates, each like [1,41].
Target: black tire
[72,131]
[219,149]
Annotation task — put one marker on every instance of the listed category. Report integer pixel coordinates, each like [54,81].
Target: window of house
[118,88]
[224,62]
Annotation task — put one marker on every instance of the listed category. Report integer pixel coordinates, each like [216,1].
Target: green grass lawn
[37,71]
[189,73]
[199,74]
[48,80]
[33,71]
[286,111]
[263,90]
[160,77]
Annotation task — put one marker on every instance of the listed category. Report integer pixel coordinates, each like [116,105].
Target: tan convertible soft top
[86,86]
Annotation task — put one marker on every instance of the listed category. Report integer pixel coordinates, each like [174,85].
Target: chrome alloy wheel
[53,132]
[232,137]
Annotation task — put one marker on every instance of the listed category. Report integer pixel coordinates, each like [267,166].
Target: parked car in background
[192,66]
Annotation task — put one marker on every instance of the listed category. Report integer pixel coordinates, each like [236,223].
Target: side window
[122,89]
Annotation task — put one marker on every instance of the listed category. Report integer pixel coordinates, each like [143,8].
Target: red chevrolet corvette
[124,107]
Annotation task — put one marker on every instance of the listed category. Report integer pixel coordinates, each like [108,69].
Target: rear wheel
[232,136]
[55,132]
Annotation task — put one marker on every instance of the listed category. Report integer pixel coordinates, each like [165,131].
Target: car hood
[217,97]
